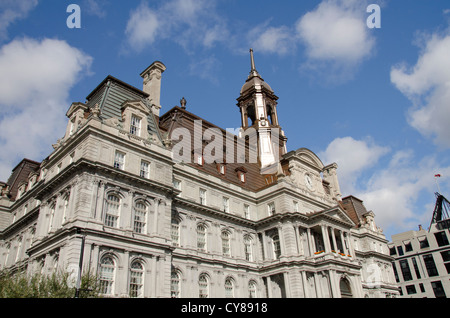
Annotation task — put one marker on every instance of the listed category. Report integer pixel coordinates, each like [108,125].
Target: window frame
[135,129]
[144,170]
[140,209]
[111,216]
[136,279]
[119,160]
[107,281]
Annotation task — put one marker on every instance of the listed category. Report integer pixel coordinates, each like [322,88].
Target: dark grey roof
[112,93]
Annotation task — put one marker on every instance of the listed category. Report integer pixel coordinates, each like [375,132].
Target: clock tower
[258,105]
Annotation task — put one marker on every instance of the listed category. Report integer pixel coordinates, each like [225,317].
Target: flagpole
[436,176]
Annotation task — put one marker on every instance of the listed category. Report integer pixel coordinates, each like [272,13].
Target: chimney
[152,84]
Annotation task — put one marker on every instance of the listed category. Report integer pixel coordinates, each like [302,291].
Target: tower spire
[253,71]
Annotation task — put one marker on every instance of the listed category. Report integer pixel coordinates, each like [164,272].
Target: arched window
[346,291]
[175,284]
[136,279]
[203,286]
[107,272]
[248,248]
[276,246]
[252,287]
[229,288]
[226,243]
[201,237]
[175,231]
[140,215]
[112,210]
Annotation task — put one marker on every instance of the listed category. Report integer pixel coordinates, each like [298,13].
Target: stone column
[333,237]
[310,242]
[326,239]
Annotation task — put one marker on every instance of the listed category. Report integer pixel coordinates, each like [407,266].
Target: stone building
[170,205]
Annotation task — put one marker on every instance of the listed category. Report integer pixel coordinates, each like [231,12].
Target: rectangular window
[430,265]
[203,196]
[400,250]
[198,159]
[119,160]
[422,288]
[408,247]
[406,272]
[246,211]
[177,184]
[441,238]
[145,169]
[416,268]
[135,126]
[438,289]
[226,205]
[392,251]
[446,258]
[424,243]
[296,208]
[271,208]
[411,289]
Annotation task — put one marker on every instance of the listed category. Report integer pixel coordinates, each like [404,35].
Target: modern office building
[422,258]
[170,205]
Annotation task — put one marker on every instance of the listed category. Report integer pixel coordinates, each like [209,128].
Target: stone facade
[151,225]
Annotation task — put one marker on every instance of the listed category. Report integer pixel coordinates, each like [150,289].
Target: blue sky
[374,100]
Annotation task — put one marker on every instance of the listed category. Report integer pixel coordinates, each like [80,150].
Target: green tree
[56,285]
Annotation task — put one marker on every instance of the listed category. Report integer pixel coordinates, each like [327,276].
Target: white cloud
[267,39]
[353,158]
[33,96]
[12,10]
[142,27]
[336,38]
[393,192]
[336,31]
[95,7]
[186,22]
[427,85]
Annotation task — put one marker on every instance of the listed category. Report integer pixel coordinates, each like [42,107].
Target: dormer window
[241,174]
[198,159]
[135,126]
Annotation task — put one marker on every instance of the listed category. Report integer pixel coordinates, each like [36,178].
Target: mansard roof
[20,174]
[354,208]
[110,96]
[179,117]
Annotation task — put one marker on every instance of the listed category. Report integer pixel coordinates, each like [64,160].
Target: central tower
[258,105]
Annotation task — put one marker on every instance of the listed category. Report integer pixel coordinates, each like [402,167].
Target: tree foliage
[56,285]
